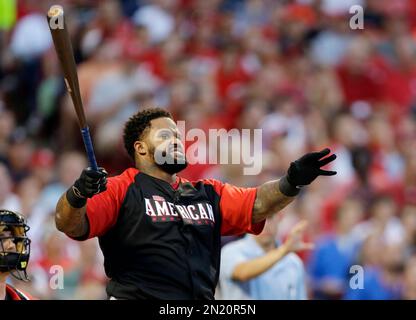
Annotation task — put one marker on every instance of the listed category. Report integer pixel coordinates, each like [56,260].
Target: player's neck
[169,178]
[158,173]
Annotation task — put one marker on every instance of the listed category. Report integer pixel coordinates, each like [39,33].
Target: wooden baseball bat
[63,48]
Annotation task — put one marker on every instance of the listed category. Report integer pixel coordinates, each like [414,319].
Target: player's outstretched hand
[305,170]
[90,183]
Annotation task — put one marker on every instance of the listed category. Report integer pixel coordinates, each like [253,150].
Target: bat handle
[88,147]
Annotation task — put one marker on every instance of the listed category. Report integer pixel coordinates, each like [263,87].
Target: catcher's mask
[14,244]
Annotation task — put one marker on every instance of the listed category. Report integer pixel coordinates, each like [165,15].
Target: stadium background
[293,68]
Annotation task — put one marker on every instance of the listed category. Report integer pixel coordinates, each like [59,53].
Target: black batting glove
[90,183]
[305,170]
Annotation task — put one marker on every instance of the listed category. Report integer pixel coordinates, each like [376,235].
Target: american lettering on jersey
[164,211]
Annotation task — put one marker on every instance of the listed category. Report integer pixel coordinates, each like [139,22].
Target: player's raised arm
[274,195]
[70,216]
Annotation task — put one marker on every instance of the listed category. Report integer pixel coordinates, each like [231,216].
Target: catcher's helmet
[14,244]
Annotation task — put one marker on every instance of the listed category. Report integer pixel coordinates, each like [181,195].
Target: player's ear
[140,147]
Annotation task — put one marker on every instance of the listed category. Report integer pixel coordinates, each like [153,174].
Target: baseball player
[14,254]
[160,234]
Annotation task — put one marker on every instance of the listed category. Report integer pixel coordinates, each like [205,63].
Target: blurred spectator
[286,121]
[69,166]
[329,46]
[31,37]
[409,281]
[384,220]
[92,276]
[42,165]
[8,199]
[335,253]
[408,220]
[258,267]
[156,18]
[28,192]
[379,273]
[19,154]
[57,255]
[114,99]
[339,7]
[7,124]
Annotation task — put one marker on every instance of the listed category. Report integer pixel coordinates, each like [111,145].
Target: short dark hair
[137,125]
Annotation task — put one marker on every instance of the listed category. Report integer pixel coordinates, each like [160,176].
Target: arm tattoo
[269,200]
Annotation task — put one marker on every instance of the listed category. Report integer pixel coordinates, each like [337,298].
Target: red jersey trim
[236,207]
[103,209]
[16,294]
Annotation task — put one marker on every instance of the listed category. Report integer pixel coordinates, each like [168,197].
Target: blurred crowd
[295,69]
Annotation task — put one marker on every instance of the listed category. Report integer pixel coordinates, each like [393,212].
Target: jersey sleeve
[236,207]
[103,208]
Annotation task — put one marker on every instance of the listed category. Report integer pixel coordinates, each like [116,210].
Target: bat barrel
[64,51]
[63,47]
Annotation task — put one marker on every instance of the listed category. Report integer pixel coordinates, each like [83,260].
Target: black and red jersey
[162,240]
[15,294]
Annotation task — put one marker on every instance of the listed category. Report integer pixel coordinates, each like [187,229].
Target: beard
[170,164]
[172,168]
